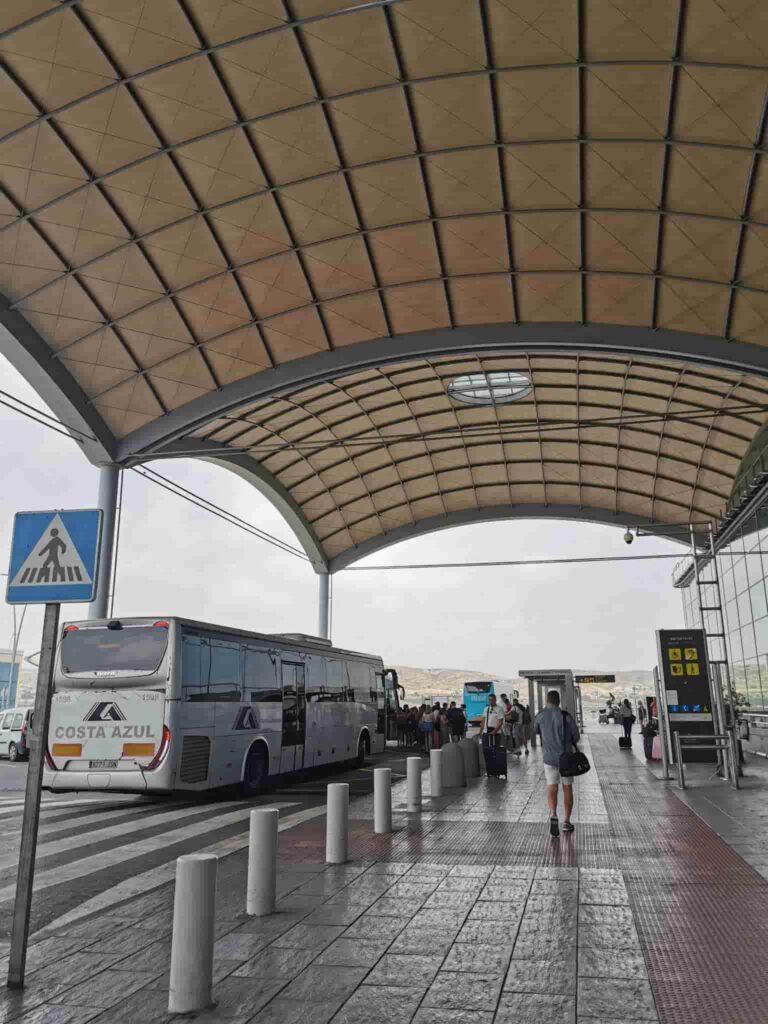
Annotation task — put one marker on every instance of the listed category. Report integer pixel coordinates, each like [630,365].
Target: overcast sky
[177,559]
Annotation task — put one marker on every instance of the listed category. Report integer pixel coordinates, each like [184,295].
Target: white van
[14,723]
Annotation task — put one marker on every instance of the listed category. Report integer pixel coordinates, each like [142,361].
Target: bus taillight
[161,750]
[49,762]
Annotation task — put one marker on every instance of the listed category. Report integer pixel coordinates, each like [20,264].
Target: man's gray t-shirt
[551,724]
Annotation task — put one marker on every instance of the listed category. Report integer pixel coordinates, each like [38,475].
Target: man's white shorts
[553,776]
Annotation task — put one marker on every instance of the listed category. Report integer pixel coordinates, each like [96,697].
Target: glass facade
[743,568]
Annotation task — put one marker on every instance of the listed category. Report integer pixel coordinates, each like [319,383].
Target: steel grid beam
[406,83]
[746,209]
[711,513]
[668,135]
[499,338]
[500,513]
[25,350]
[317,304]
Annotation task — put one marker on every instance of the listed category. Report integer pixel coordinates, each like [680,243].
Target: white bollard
[382,799]
[337,823]
[413,770]
[194,919]
[453,767]
[261,890]
[436,772]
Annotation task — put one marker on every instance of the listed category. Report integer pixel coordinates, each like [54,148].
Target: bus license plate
[102,764]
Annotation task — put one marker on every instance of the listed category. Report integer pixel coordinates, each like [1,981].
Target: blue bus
[476,699]
[476,696]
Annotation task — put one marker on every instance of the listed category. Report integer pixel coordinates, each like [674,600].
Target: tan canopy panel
[260,210]
[390,452]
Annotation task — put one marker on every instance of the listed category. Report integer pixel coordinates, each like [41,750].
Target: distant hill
[448,683]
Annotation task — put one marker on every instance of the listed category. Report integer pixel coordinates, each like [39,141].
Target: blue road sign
[54,557]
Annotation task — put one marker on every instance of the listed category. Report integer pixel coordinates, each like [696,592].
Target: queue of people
[431,726]
[510,722]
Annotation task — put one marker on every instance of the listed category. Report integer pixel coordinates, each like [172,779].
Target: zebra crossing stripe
[147,881]
[50,847]
[7,809]
[46,878]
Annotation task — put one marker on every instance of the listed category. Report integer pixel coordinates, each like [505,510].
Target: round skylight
[495,388]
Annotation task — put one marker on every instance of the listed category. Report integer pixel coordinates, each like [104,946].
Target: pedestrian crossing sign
[54,557]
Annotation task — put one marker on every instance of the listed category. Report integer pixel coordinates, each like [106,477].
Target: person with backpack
[559,733]
[518,729]
[455,722]
[425,727]
[627,719]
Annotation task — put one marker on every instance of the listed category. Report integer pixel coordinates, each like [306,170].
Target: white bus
[157,705]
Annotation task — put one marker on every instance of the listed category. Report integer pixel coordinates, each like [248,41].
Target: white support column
[108,479]
[324,605]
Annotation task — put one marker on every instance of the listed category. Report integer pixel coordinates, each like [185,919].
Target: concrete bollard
[413,770]
[453,767]
[261,889]
[436,773]
[470,751]
[194,919]
[382,799]
[337,823]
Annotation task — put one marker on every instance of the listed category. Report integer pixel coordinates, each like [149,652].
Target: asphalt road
[93,845]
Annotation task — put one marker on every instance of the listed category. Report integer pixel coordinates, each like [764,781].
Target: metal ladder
[710,602]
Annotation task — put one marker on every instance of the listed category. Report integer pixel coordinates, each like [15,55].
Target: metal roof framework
[269,234]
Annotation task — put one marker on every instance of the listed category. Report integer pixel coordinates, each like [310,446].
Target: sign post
[689,695]
[30,820]
[54,560]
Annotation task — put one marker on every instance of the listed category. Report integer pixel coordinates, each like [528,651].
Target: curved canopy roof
[230,224]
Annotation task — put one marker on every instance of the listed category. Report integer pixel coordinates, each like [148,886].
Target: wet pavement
[468,912]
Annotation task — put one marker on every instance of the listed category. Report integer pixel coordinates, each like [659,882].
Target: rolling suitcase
[625,742]
[495,759]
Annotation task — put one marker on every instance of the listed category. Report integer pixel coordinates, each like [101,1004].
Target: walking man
[559,733]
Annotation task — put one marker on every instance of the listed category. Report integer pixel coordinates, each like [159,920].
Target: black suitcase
[625,742]
[495,759]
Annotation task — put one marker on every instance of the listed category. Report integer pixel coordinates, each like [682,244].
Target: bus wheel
[13,752]
[362,749]
[256,770]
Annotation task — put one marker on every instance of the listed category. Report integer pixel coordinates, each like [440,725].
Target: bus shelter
[541,681]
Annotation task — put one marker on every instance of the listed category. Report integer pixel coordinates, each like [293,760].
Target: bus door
[391,694]
[294,716]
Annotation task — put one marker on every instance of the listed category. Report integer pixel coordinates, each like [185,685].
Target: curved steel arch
[503,338]
[25,350]
[251,470]
[496,514]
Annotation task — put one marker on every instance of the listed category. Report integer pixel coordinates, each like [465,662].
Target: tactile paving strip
[701,911]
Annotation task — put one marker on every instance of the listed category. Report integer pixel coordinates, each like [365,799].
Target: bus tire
[363,748]
[256,770]
[13,752]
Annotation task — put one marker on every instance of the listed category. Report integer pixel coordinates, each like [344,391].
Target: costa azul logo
[105,722]
[105,711]
[246,719]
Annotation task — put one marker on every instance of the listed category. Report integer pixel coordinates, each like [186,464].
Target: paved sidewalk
[466,914]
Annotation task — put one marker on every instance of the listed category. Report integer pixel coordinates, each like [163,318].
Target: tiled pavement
[467,913]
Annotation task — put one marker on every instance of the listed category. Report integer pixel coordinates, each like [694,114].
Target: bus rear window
[477,687]
[133,649]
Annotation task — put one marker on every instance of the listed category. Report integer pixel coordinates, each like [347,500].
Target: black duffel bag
[572,762]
